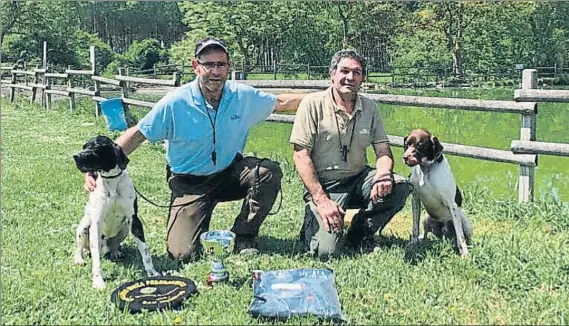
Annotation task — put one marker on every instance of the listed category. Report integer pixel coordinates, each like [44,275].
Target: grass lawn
[517,272]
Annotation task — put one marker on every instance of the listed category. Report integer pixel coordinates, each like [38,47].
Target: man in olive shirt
[330,135]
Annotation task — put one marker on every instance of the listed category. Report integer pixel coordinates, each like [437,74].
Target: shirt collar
[337,108]
[198,98]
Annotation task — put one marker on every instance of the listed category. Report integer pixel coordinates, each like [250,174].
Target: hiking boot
[246,245]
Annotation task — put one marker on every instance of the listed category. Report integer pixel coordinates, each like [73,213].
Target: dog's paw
[171,273]
[78,260]
[115,255]
[463,249]
[98,283]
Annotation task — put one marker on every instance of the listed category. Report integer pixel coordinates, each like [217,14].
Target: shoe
[364,244]
[368,244]
[246,245]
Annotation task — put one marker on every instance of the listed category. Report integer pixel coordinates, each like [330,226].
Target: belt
[193,178]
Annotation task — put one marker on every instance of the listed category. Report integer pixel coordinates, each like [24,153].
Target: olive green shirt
[316,126]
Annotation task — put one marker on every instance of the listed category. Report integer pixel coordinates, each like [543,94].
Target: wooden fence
[523,152]
[396,75]
[527,143]
[527,110]
[45,81]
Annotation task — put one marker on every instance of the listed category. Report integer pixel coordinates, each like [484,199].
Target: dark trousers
[350,193]
[255,180]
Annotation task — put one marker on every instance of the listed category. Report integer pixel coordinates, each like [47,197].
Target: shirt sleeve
[157,124]
[304,127]
[378,134]
[261,105]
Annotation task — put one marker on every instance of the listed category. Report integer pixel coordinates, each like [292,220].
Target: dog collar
[112,176]
[436,159]
[439,158]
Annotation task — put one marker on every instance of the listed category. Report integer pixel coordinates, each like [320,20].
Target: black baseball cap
[208,42]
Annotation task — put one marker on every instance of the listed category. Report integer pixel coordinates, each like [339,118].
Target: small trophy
[217,245]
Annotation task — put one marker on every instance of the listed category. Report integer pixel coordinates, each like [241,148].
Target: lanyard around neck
[212,122]
[344,149]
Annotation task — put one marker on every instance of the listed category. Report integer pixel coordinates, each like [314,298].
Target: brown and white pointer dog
[436,190]
[111,210]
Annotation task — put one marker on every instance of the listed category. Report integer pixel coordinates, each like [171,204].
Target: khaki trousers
[351,193]
[255,180]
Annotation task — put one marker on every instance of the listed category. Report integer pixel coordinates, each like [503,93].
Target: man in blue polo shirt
[205,124]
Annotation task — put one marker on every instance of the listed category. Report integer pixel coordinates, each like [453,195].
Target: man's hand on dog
[90,182]
[331,213]
[382,186]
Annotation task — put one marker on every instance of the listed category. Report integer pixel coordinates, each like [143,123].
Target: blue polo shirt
[181,118]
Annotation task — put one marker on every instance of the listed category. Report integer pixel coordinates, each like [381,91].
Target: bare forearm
[307,173]
[288,102]
[130,140]
[384,164]
[384,158]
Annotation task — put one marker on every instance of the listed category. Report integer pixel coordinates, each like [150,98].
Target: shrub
[144,54]
[29,48]
[562,79]
[103,53]
[182,51]
[112,69]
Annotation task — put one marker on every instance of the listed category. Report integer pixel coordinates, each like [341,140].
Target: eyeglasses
[215,64]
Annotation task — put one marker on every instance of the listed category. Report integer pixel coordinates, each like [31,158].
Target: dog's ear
[437,147]
[405,146]
[122,160]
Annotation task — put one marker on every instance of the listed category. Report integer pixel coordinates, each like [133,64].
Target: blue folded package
[294,292]
[113,112]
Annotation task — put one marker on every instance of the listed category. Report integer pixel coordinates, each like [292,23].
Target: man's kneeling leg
[316,239]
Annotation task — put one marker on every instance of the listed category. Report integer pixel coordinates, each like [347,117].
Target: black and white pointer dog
[435,188]
[111,210]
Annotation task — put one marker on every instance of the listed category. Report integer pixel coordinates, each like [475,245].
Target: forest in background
[455,36]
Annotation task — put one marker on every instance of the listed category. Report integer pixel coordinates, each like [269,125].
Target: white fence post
[526,179]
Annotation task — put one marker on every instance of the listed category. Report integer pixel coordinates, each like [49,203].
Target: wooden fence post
[124,92]
[308,70]
[34,90]
[44,54]
[177,79]
[526,178]
[71,94]
[47,83]
[94,71]
[275,70]
[43,100]
[124,88]
[98,90]
[12,89]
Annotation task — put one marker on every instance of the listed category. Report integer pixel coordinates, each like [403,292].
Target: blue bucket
[113,112]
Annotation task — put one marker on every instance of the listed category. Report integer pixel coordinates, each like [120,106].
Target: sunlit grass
[517,272]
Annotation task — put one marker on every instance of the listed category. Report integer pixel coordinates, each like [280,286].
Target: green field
[483,129]
[488,129]
[379,77]
[517,272]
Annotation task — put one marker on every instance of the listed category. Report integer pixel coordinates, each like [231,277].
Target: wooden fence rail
[538,147]
[302,84]
[541,95]
[528,144]
[523,152]
[175,81]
